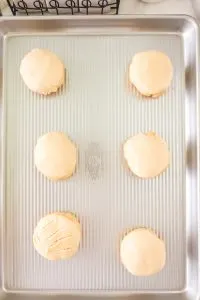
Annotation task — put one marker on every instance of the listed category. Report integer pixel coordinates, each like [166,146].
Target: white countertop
[165,7]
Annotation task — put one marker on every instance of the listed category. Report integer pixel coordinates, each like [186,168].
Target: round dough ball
[42,71]
[142,252]
[55,156]
[57,236]
[151,72]
[147,155]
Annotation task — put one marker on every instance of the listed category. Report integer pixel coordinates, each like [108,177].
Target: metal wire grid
[63,7]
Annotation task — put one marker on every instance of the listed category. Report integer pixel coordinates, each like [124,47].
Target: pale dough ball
[142,252]
[57,236]
[151,72]
[147,155]
[42,71]
[55,156]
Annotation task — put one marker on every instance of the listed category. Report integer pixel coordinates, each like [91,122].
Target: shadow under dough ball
[146,154]
[57,236]
[151,73]
[55,156]
[42,71]
[142,252]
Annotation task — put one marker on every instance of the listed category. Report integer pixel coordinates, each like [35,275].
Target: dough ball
[151,72]
[42,71]
[57,236]
[142,252]
[147,155]
[55,156]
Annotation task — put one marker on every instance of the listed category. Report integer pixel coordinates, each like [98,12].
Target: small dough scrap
[57,236]
[42,71]
[55,156]
[147,155]
[151,72]
[142,252]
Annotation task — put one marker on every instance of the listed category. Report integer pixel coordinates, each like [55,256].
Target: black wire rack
[58,7]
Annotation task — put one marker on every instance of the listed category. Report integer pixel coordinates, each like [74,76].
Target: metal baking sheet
[98,112]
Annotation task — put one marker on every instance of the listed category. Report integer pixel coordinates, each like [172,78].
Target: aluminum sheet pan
[99,113]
